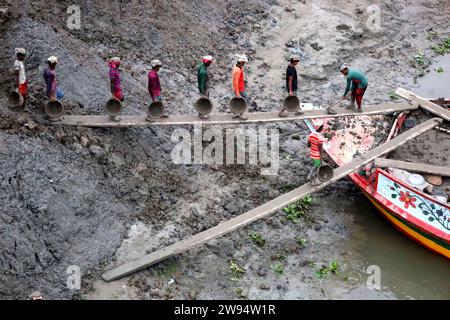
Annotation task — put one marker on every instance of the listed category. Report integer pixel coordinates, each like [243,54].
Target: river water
[408,270]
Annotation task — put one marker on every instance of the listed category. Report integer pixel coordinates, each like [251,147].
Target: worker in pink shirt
[154,85]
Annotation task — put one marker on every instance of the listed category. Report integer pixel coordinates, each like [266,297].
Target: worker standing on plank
[291,82]
[239,90]
[357,83]
[21,78]
[115,78]
[202,75]
[50,79]
[315,142]
[154,85]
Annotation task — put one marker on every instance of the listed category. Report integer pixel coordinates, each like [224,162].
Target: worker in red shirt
[315,142]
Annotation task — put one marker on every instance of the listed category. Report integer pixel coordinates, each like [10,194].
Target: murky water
[408,270]
[435,84]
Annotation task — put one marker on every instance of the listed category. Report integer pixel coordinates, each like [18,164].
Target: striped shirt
[316,140]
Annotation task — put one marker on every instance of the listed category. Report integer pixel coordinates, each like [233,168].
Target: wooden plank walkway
[424,103]
[216,119]
[413,166]
[266,209]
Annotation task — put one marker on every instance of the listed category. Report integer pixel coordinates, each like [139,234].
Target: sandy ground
[96,198]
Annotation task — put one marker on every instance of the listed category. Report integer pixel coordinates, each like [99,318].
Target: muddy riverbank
[96,198]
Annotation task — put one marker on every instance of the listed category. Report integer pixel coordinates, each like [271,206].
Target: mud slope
[94,198]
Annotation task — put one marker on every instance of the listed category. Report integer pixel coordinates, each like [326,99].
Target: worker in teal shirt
[357,83]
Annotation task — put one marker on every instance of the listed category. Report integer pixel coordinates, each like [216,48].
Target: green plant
[307,201]
[258,239]
[288,157]
[420,59]
[278,268]
[440,70]
[442,48]
[393,95]
[325,270]
[299,209]
[301,241]
[236,269]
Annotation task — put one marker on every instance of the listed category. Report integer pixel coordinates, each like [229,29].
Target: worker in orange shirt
[239,84]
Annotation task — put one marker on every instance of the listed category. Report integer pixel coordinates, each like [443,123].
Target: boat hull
[426,240]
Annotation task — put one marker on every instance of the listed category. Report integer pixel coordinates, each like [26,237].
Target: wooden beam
[266,209]
[424,103]
[222,119]
[413,166]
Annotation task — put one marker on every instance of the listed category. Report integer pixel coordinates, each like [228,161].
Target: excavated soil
[95,198]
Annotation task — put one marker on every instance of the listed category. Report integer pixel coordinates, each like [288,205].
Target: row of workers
[356,81]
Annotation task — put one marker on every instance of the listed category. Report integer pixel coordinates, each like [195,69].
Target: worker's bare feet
[165,115]
[360,110]
[283,114]
[203,116]
[236,116]
[299,112]
[150,119]
[243,117]
[316,182]
[115,118]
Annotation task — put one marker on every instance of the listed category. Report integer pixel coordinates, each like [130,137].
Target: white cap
[53,59]
[208,59]
[343,67]
[156,63]
[242,58]
[21,51]
[115,59]
[295,57]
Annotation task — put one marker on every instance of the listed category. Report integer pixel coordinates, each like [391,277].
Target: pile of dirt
[73,196]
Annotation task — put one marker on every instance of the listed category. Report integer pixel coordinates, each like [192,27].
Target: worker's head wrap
[343,67]
[241,58]
[21,51]
[156,63]
[295,58]
[52,59]
[207,59]
[114,62]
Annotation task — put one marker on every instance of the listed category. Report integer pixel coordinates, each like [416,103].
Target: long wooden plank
[264,210]
[413,166]
[424,103]
[215,119]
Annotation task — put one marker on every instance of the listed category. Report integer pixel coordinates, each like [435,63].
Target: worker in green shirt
[203,75]
[356,83]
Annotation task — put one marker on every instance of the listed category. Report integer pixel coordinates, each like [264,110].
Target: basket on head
[156,109]
[113,107]
[292,103]
[15,99]
[325,173]
[238,105]
[54,109]
[203,106]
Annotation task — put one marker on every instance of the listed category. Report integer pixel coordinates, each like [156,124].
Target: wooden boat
[418,215]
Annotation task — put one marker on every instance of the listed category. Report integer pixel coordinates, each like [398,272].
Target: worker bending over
[357,83]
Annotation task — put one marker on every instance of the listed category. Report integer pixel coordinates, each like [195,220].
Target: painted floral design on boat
[433,212]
